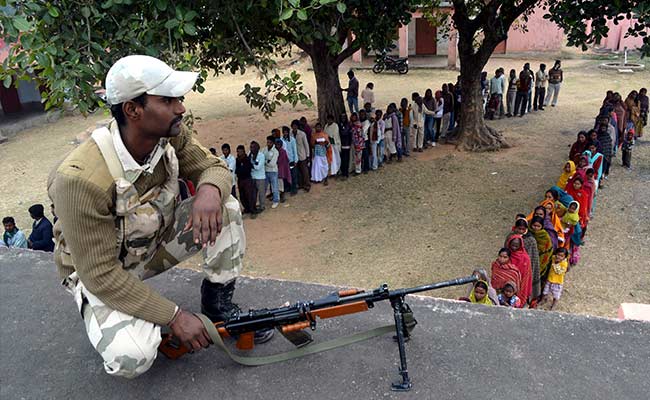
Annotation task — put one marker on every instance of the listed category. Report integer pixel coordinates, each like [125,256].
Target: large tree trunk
[328,85]
[473,134]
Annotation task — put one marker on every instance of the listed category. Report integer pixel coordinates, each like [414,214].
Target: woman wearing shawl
[578,147]
[520,259]
[634,112]
[544,247]
[595,160]
[576,191]
[479,294]
[503,271]
[482,275]
[549,205]
[567,172]
[571,220]
[540,211]
[621,115]
[562,196]
[530,244]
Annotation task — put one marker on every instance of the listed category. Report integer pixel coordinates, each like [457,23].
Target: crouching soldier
[121,221]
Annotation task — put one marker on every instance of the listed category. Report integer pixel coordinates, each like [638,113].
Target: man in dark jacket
[41,236]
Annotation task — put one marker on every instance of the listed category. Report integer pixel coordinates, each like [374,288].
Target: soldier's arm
[197,164]
[84,211]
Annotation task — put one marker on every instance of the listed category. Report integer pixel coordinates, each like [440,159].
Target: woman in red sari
[520,259]
[578,193]
[503,271]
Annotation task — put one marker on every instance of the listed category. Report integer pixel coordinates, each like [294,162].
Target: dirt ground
[435,216]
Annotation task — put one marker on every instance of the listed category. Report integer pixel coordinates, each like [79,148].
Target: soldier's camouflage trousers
[129,345]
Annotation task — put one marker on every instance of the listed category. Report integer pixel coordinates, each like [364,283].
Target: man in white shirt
[540,87]
[271,155]
[332,130]
[229,159]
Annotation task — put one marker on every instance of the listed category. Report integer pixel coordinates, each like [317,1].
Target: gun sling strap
[289,355]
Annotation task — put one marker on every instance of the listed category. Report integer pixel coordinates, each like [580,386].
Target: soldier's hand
[189,329]
[205,219]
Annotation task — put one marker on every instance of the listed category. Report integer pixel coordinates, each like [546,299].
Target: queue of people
[525,92]
[542,247]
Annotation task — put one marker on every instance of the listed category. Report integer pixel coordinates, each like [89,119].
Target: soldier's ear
[132,110]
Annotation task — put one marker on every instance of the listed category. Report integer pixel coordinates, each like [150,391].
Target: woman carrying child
[503,271]
[520,259]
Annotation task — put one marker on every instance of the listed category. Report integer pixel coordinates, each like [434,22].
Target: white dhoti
[319,168]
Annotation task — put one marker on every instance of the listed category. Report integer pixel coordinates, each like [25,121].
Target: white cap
[133,76]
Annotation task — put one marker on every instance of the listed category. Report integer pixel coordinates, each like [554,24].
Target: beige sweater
[83,193]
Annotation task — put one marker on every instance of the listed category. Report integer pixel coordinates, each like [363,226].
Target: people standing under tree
[530,91]
[12,236]
[438,112]
[302,146]
[512,93]
[258,174]
[540,87]
[320,165]
[457,99]
[271,155]
[367,95]
[555,78]
[352,93]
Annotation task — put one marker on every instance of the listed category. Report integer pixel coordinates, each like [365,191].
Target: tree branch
[347,52]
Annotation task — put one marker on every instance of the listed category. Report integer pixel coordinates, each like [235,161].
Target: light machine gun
[292,320]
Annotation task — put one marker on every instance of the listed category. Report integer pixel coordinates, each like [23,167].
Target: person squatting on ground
[123,183]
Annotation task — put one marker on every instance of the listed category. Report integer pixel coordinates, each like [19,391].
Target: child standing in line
[628,144]
[555,280]
[508,296]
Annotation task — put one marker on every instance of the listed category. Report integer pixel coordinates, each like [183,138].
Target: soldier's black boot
[217,304]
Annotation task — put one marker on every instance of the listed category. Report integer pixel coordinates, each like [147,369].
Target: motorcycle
[388,63]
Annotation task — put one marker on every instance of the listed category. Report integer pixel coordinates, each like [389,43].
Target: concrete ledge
[634,311]
[458,351]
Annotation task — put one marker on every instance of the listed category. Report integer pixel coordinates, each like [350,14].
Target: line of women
[542,246]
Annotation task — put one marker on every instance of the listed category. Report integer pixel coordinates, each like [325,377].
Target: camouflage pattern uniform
[150,229]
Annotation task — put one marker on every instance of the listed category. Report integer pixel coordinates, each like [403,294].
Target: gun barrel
[433,286]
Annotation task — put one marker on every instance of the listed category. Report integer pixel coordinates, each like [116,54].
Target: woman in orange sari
[549,205]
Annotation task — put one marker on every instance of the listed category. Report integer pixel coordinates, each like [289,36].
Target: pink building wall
[616,39]
[542,35]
